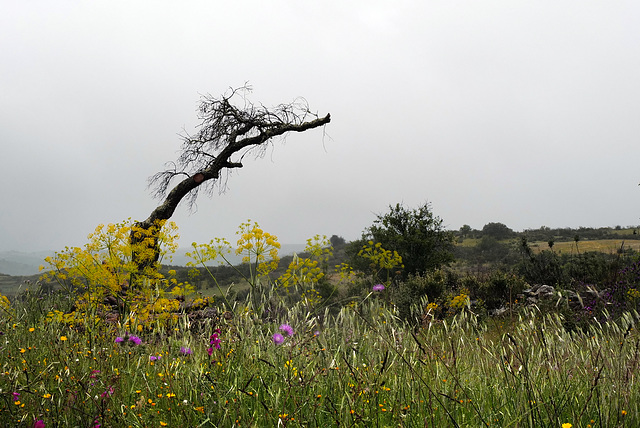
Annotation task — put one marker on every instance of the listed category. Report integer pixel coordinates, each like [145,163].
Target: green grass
[359,367]
[468,242]
[601,245]
[629,231]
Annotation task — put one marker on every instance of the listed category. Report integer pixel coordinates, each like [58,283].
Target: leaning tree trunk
[218,135]
[144,236]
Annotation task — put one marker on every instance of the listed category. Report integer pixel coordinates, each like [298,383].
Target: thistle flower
[287,329]
[278,339]
[378,287]
[135,340]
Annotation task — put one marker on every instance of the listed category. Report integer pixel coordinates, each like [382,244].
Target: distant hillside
[19,263]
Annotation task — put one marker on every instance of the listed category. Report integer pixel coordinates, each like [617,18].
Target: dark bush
[499,289]
[433,285]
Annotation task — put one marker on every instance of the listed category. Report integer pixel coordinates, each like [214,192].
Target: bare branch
[226,134]
[225,129]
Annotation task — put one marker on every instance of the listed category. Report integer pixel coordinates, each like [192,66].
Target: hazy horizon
[25,263]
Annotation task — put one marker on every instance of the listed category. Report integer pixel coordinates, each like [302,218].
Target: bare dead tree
[226,134]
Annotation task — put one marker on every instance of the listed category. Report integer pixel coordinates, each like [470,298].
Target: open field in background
[610,246]
[601,245]
[10,285]
[630,231]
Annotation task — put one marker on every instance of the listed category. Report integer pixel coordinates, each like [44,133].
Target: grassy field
[11,285]
[360,367]
[601,245]
[279,358]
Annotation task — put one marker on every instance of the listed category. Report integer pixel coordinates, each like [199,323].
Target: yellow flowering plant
[431,307]
[101,273]
[633,294]
[345,272]
[460,301]
[203,253]
[259,249]
[5,307]
[381,259]
[305,273]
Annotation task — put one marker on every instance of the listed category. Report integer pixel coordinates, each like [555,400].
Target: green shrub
[431,285]
[499,289]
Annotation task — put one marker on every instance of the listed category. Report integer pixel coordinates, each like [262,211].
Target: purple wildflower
[214,341]
[287,329]
[119,339]
[278,339]
[108,392]
[186,351]
[15,395]
[38,424]
[378,287]
[154,358]
[135,339]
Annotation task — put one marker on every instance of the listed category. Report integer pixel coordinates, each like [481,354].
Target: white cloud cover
[518,112]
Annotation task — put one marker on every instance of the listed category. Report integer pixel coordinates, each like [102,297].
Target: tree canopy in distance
[416,234]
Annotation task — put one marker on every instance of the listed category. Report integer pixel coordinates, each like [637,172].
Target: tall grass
[360,366]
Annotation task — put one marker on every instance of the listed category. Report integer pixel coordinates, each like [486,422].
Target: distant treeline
[501,231]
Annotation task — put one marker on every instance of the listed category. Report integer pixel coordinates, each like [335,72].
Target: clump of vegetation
[417,236]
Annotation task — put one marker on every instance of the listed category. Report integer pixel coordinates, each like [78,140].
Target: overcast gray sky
[520,112]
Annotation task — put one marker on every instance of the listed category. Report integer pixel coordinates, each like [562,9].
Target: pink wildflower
[287,329]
